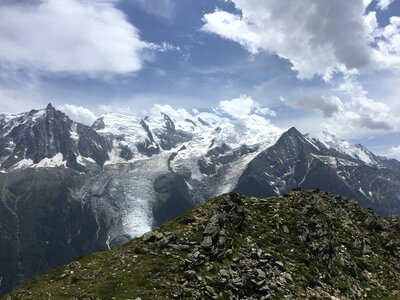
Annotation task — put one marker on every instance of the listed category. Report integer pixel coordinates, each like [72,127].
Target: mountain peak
[50,107]
[293,130]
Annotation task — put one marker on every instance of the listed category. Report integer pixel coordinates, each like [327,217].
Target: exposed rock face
[42,226]
[303,245]
[38,135]
[137,173]
[172,198]
[295,161]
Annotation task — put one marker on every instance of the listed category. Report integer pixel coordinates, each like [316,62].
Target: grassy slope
[139,269]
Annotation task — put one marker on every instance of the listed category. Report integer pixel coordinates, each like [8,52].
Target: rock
[177,292]
[74,265]
[188,220]
[149,237]
[285,229]
[260,274]
[224,273]
[287,277]
[280,265]
[179,247]
[367,250]
[214,225]
[237,282]
[207,242]
[191,273]
[373,223]
[221,242]
[167,240]
[211,292]
[159,235]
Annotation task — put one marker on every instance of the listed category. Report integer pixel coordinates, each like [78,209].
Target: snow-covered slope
[48,138]
[329,141]
[208,150]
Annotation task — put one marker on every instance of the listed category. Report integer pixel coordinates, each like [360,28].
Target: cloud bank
[317,37]
[352,117]
[335,40]
[394,152]
[78,113]
[69,36]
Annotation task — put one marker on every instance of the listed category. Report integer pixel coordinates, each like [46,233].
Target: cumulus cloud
[316,37]
[394,152]
[78,113]
[179,114]
[69,36]
[327,105]
[384,4]
[387,52]
[353,116]
[242,107]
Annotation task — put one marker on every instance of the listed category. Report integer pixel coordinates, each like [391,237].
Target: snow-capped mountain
[48,138]
[351,171]
[73,189]
[327,140]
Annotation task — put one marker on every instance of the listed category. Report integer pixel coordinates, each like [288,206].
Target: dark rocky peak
[48,132]
[390,163]
[216,150]
[293,141]
[203,122]
[98,124]
[191,122]
[170,125]
[50,108]
[168,136]
[148,147]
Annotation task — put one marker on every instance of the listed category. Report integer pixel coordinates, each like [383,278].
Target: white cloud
[78,113]
[179,114]
[354,115]
[387,53]
[69,36]
[336,40]
[327,105]
[163,47]
[384,4]
[242,107]
[394,152]
[317,37]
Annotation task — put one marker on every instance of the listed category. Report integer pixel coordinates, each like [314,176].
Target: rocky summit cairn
[302,245]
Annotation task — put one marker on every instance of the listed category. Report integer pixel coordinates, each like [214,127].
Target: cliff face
[300,245]
[41,225]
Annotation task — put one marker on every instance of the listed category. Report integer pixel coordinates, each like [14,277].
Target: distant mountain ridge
[48,138]
[124,175]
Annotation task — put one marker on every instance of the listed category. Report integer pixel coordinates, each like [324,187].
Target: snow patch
[24,163]
[55,161]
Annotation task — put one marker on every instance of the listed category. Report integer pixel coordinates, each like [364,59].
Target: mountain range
[68,189]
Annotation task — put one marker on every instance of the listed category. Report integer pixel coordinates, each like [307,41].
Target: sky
[313,64]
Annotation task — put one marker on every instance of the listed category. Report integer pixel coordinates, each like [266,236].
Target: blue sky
[318,65]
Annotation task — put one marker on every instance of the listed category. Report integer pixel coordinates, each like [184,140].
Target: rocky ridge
[305,244]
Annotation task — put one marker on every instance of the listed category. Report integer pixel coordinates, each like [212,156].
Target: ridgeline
[302,245]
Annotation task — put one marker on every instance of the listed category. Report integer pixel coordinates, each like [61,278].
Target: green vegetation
[301,245]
